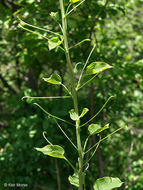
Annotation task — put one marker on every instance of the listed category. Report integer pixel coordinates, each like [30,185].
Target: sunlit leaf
[84,111]
[53,43]
[30,1]
[107,183]
[52,150]
[54,15]
[74,1]
[103,128]
[73,115]
[74,179]
[95,128]
[53,79]
[97,67]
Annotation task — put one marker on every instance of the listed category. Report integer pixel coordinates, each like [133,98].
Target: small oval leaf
[54,79]
[95,128]
[74,1]
[54,15]
[73,115]
[97,67]
[74,179]
[107,183]
[53,43]
[52,150]
[84,111]
[103,128]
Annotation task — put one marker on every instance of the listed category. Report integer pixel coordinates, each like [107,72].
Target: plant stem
[80,152]
[74,93]
[64,26]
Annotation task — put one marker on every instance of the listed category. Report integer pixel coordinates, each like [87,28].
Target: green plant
[58,40]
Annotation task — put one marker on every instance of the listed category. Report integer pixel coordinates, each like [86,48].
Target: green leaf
[84,111]
[30,1]
[103,128]
[95,128]
[54,15]
[74,1]
[97,67]
[54,42]
[73,115]
[54,79]
[107,183]
[52,150]
[74,179]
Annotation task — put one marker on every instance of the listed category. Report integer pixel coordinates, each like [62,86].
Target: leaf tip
[35,104]
[25,97]
[38,149]
[44,79]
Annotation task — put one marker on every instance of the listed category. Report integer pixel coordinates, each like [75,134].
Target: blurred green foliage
[116,27]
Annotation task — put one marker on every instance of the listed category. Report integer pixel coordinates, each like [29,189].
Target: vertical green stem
[80,152]
[74,93]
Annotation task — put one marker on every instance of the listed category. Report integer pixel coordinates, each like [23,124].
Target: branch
[87,82]
[51,97]
[104,139]
[36,33]
[98,111]
[75,7]
[53,115]
[36,27]
[66,135]
[90,54]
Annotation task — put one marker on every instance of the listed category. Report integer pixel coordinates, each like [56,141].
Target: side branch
[98,111]
[50,97]
[104,139]
[36,27]
[53,115]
